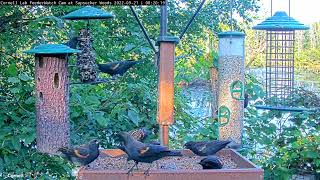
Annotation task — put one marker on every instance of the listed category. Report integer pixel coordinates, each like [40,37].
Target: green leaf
[12,70]
[15,90]
[1,165]
[312,154]
[30,100]
[24,77]
[101,120]
[16,143]
[13,80]
[128,47]
[30,138]
[134,117]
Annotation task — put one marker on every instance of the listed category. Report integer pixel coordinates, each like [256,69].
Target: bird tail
[65,151]
[174,153]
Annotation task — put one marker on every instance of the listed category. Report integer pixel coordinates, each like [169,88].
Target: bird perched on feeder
[146,153]
[83,154]
[211,162]
[73,42]
[206,148]
[116,68]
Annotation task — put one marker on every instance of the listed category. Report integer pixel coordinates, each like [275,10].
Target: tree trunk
[52,94]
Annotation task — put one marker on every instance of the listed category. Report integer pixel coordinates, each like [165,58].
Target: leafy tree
[98,110]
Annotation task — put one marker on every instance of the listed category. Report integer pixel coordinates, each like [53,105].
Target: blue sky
[305,11]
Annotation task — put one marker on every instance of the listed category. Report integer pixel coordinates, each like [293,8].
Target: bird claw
[130,172]
[147,173]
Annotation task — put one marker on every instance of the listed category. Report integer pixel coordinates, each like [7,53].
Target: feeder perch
[86,60]
[166,85]
[280,37]
[52,94]
[231,85]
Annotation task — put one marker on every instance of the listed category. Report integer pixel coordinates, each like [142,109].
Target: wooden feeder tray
[111,166]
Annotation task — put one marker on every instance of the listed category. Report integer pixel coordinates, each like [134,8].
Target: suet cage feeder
[279,76]
[86,60]
[52,96]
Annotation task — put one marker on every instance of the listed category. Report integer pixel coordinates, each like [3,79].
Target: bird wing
[201,146]
[151,150]
[215,146]
[81,152]
[115,66]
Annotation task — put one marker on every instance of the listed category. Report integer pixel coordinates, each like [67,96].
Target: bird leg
[131,169]
[147,171]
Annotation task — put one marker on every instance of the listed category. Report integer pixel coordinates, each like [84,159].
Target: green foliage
[284,143]
[99,111]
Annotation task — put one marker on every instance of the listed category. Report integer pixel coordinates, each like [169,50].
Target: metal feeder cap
[280,21]
[52,49]
[87,13]
[231,34]
[173,39]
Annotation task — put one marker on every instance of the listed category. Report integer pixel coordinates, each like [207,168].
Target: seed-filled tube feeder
[166,85]
[279,75]
[52,96]
[86,60]
[231,85]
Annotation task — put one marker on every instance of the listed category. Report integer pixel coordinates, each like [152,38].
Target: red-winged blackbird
[83,154]
[117,68]
[73,42]
[146,153]
[211,162]
[206,148]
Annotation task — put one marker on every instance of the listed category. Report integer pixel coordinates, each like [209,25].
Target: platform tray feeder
[245,170]
[86,60]
[280,38]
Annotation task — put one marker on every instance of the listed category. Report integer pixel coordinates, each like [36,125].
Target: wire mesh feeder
[280,37]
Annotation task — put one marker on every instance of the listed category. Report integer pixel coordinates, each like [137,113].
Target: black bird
[206,148]
[211,162]
[117,68]
[246,100]
[73,42]
[146,153]
[83,154]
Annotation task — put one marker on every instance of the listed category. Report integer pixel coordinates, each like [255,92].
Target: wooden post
[166,86]
[52,97]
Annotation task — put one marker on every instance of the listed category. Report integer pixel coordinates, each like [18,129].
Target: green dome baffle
[279,84]
[280,21]
[88,13]
[52,49]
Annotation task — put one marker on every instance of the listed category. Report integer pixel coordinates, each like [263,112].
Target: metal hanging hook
[231,12]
